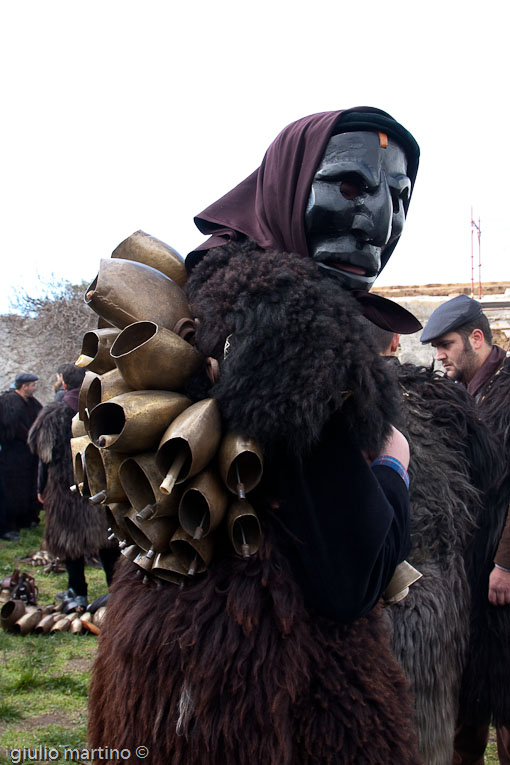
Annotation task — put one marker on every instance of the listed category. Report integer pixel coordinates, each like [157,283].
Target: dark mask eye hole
[350,189]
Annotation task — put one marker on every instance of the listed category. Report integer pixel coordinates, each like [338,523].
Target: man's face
[458,357]
[356,206]
[28,389]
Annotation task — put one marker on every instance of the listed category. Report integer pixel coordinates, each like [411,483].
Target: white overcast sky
[120,115]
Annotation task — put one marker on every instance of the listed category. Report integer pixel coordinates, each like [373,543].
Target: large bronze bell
[189,443]
[134,422]
[103,475]
[105,387]
[203,504]
[27,622]
[146,249]
[243,528]
[125,291]
[194,554]
[95,350]
[241,463]
[140,478]
[149,356]
[152,536]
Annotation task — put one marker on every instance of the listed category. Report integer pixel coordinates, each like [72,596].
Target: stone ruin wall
[26,347]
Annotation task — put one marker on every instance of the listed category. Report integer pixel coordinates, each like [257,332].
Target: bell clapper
[199,531]
[245,547]
[173,473]
[73,489]
[150,553]
[83,360]
[193,566]
[146,512]
[111,537]
[106,440]
[96,499]
[241,493]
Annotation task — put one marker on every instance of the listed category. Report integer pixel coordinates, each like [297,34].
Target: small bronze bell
[134,422]
[11,612]
[189,443]
[131,552]
[149,356]
[27,622]
[193,554]
[243,528]
[152,252]
[46,624]
[241,463]
[95,350]
[169,567]
[125,291]
[203,504]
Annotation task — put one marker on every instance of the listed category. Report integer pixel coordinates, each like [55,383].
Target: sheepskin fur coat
[74,527]
[486,682]
[238,666]
[450,448]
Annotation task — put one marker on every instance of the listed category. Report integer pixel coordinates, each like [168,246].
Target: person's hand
[499,587]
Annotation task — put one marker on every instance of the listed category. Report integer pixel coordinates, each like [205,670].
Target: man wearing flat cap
[18,466]
[461,335]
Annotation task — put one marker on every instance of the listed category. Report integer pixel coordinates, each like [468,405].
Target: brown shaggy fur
[234,670]
[74,527]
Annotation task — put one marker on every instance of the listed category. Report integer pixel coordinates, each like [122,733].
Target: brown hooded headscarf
[269,205]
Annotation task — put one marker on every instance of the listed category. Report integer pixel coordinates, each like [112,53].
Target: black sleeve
[348,526]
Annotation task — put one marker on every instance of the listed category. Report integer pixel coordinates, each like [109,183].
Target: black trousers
[76,569]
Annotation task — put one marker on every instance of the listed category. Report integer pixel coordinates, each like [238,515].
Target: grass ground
[44,678]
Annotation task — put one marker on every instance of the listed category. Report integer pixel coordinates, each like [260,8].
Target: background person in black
[18,466]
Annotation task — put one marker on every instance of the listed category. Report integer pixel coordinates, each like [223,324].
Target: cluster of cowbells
[21,618]
[172,484]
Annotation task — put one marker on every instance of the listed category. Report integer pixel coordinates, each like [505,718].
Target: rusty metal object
[125,291]
[103,475]
[82,396]
[146,249]
[243,528]
[189,443]
[131,552]
[140,478]
[149,356]
[134,422]
[95,350]
[203,504]
[241,463]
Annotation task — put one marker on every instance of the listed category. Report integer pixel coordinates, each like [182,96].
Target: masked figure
[284,657]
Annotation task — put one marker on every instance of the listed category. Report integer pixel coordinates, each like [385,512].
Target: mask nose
[373,217]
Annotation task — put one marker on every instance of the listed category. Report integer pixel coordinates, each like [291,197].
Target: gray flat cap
[24,377]
[450,315]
